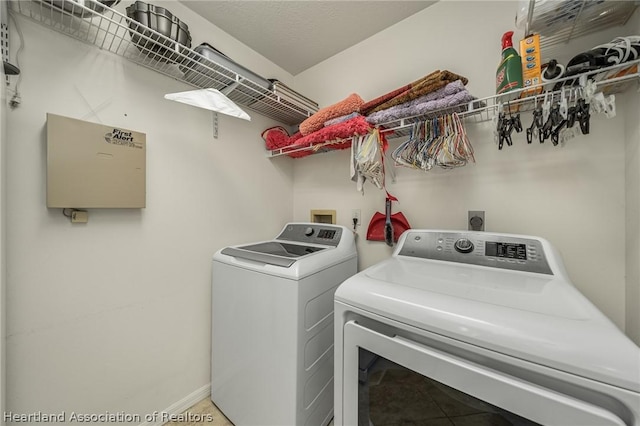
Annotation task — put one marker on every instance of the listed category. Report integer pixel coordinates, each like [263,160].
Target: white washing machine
[272,334]
[461,328]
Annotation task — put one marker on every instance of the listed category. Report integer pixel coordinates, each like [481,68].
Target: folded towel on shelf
[399,110]
[351,103]
[292,140]
[410,109]
[367,107]
[430,83]
[458,99]
[275,137]
[353,127]
[449,89]
[340,119]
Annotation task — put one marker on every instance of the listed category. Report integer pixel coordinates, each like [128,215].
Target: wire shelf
[559,22]
[614,79]
[93,23]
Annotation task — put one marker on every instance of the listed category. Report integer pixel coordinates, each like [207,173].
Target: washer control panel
[317,233]
[478,248]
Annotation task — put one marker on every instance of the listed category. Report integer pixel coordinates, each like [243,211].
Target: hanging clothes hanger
[536,122]
[463,145]
[583,114]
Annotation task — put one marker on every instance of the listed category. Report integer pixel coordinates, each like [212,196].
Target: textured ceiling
[299,34]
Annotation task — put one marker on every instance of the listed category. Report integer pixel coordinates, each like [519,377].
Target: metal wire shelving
[96,24]
[614,79]
[91,22]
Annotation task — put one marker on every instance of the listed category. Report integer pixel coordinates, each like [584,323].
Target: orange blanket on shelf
[351,103]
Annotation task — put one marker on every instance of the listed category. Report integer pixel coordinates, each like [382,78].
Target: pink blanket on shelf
[351,103]
[353,127]
[292,140]
[449,96]
[276,137]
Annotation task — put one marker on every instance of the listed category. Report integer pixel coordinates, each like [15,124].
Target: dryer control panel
[316,233]
[477,248]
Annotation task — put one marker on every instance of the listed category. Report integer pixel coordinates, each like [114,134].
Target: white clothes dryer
[272,325]
[478,328]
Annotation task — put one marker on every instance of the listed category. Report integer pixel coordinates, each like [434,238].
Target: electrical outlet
[355,214]
[476,220]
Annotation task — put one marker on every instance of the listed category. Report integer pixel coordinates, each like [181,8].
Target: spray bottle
[509,73]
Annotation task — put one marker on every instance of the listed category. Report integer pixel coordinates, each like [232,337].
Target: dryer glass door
[390,394]
[396,381]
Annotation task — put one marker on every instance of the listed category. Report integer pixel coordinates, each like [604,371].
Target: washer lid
[539,318]
[301,250]
[272,252]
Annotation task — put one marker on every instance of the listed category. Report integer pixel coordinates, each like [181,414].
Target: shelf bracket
[230,88]
[527,28]
[575,21]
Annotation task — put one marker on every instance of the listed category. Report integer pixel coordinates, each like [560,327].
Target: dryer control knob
[464,245]
[308,232]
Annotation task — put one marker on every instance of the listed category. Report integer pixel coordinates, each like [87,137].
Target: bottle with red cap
[509,73]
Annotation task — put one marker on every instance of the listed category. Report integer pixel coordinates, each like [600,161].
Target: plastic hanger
[536,122]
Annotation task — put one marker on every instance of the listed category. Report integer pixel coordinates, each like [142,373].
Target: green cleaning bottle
[509,74]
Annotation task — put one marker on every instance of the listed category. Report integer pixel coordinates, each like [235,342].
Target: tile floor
[205,413]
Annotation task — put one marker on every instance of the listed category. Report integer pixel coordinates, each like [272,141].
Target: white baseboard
[183,404]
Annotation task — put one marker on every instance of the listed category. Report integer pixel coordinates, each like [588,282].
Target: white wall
[573,196]
[632,172]
[114,315]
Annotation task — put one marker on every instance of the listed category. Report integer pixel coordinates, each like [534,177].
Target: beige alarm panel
[94,166]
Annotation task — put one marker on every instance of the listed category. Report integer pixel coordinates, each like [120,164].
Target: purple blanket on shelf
[452,94]
[340,119]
